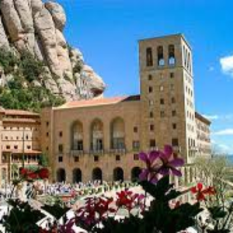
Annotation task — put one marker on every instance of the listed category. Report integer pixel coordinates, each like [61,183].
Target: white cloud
[227,65]
[224,132]
[211,117]
[219,117]
[220,148]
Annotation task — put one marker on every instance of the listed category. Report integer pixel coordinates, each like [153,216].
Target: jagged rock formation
[36,27]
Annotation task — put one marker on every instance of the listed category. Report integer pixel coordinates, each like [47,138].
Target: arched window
[118,134]
[61,175]
[77,136]
[149,57]
[118,174]
[77,175]
[97,174]
[135,172]
[161,61]
[97,135]
[171,55]
[188,62]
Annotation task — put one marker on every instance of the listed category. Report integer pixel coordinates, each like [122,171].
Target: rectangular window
[60,159]
[60,148]
[174,113]
[136,145]
[135,129]
[151,127]
[150,89]
[174,126]
[171,75]
[47,123]
[151,114]
[175,142]
[60,134]
[76,159]
[47,134]
[162,101]
[136,157]
[162,114]
[96,158]
[118,157]
[152,143]
[173,100]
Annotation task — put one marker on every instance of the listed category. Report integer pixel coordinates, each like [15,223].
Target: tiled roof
[21,120]
[100,101]
[20,112]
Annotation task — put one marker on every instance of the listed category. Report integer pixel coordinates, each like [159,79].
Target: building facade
[101,138]
[19,142]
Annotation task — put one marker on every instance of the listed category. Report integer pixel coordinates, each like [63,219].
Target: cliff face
[37,27]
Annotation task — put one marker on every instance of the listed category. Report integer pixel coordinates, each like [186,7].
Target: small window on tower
[161,61]
[171,55]
[150,77]
[162,101]
[152,143]
[149,57]
[151,114]
[150,89]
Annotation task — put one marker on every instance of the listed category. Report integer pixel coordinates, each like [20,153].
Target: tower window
[171,55]
[171,75]
[151,114]
[174,113]
[150,77]
[96,158]
[150,89]
[76,159]
[149,57]
[136,157]
[161,88]
[162,101]
[60,133]
[174,126]
[152,143]
[60,159]
[151,102]
[161,61]
[135,129]
[118,157]
[175,142]
[60,148]
[152,127]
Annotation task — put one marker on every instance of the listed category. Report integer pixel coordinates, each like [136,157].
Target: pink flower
[149,173]
[170,162]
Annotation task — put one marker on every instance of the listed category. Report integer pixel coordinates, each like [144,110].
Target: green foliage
[8,61]
[44,160]
[22,218]
[31,68]
[20,93]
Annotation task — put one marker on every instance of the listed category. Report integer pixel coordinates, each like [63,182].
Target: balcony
[76,152]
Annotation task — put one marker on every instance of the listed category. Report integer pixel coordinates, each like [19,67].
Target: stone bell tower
[167,95]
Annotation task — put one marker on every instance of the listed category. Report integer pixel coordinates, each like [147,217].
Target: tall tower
[167,95]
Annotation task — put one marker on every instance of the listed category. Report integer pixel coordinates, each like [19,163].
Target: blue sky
[107,31]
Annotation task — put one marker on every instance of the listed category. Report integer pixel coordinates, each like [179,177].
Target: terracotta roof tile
[100,101]
[20,112]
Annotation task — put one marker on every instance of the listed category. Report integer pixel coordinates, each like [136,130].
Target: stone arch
[61,175]
[171,55]
[160,55]
[97,135]
[97,174]
[149,57]
[118,174]
[135,172]
[77,135]
[77,175]
[117,130]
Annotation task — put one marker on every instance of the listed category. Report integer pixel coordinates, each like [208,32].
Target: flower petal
[176,172]
[168,151]
[199,186]
[177,162]
[154,180]
[193,189]
[164,171]
[144,174]
[143,156]
[153,156]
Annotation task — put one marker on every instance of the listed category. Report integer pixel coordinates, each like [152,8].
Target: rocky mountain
[33,30]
